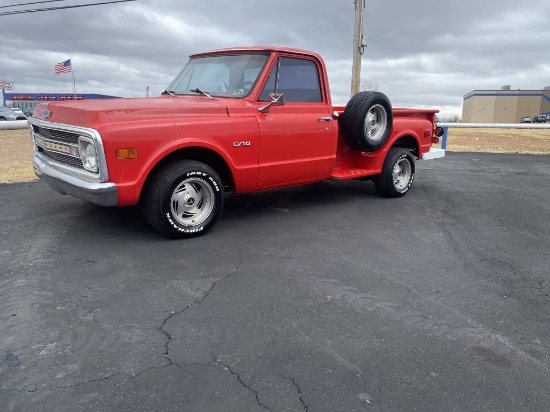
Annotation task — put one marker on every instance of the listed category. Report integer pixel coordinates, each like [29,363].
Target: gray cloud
[422,53]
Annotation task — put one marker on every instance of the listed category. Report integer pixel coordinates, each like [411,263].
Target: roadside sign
[6,85]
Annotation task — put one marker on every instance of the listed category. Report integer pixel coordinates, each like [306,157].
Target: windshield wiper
[197,90]
[168,92]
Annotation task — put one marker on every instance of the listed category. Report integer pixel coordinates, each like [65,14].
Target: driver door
[295,139]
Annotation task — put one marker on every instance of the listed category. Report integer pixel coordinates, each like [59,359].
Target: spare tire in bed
[367,121]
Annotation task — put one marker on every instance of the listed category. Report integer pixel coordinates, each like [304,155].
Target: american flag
[63,67]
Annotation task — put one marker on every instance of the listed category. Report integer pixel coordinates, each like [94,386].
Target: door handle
[324,119]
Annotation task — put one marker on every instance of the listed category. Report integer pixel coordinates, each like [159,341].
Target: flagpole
[74,86]
[74,82]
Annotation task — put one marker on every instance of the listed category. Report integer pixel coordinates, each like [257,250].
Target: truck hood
[91,113]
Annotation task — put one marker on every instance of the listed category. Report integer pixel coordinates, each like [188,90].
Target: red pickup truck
[233,120]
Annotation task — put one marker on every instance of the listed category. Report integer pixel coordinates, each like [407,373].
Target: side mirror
[277,99]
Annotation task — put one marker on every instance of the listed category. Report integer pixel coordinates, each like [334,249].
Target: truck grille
[59,157]
[58,145]
[56,134]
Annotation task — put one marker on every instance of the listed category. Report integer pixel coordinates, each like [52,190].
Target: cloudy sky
[421,53]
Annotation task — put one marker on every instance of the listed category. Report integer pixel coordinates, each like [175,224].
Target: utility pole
[359,44]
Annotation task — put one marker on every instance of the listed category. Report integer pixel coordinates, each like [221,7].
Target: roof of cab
[268,49]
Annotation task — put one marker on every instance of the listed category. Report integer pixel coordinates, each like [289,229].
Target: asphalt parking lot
[319,298]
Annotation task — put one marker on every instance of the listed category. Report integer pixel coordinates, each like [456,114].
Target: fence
[13,125]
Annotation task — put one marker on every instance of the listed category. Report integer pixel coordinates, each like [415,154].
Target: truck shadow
[243,209]
[312,196]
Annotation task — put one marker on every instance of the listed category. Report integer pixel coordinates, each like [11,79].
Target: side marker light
[123,154]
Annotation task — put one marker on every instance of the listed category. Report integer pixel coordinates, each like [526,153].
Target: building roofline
[545,94]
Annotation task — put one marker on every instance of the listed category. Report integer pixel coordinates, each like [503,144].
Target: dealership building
[28,101]
[504,106]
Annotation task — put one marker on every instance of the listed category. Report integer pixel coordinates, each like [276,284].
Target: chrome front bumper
[103,194]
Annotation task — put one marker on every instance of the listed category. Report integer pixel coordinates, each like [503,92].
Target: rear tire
[397,173]
[183,199]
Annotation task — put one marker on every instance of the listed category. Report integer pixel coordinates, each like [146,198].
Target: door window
[298,79]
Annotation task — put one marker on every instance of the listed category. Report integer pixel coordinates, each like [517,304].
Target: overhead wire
[28,4]
[8,13]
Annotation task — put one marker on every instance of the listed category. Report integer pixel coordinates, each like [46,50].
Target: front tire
[183,199]
[397,173]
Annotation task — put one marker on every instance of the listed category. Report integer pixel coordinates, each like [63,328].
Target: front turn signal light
[123,154]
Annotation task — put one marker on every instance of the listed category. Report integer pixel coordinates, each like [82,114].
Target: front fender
[156,142]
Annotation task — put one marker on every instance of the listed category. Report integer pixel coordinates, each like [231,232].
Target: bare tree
[367,86]
[453,118]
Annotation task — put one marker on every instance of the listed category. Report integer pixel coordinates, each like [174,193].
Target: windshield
[221,76]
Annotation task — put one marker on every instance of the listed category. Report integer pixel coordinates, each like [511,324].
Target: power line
[8,13]
[28,4]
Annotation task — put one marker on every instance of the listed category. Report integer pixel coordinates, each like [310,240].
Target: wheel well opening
[206,156]
[409,143]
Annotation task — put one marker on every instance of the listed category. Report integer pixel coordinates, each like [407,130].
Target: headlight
[88,154]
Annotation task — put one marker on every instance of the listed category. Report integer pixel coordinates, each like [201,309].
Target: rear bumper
[433,153]
[103,194]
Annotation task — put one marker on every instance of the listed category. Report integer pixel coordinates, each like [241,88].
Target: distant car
[541,118]
[18,112]
[29,112]
[8,114]
[525,119]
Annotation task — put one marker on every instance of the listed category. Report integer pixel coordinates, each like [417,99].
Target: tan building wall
[545,106]
[506,110]
[529,106]
[504,106]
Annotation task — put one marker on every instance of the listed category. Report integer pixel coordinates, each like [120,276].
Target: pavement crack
[299,392]
[160,368]
[275,338]
[227,367]
[198,301]
[73,385]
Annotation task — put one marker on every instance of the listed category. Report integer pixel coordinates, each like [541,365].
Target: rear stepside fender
[408,140]
[374,161]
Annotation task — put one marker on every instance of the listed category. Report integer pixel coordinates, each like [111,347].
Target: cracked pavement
[318,298]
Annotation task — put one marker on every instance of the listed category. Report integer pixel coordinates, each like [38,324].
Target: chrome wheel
[401,174]
[183,198]
[376,123]
[192,201]
[397,173]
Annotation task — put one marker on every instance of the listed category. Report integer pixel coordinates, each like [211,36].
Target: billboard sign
[6,85]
